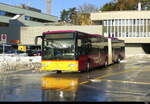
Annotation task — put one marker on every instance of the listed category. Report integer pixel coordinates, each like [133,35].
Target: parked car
[34,52]
[14,51]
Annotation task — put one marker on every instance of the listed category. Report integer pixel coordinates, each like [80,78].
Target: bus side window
[83,46]
[79,45]
[79,42]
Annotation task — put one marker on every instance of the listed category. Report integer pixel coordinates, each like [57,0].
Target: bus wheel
[88,68]
[58,72]
[106,63]
[82,71]
[118,60]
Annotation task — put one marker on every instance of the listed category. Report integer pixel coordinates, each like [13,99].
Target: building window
[105,23]
[27,17]
[108,23]
[134,21]
[8,14]
[119,22]
[2,13]
[138,22]
[142,22]
[100,22]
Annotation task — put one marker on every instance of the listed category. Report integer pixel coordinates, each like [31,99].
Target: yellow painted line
[84,82]
[110,74]
[124,81]
[144,70]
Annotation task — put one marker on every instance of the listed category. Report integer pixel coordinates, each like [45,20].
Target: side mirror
[77,53]
[36,39]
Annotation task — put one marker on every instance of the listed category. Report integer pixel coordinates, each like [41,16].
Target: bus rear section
[118,50]
[92,51]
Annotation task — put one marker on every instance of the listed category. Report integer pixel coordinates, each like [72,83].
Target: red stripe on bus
[59,60]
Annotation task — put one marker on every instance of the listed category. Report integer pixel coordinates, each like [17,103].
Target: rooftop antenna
[139,5]
[48,6]
[29,3]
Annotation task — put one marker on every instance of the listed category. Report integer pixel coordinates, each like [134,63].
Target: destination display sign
[57,36]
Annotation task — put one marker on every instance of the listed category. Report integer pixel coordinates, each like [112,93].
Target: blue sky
[57,5]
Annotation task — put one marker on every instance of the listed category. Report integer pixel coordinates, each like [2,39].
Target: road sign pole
[3,48]
[4,39]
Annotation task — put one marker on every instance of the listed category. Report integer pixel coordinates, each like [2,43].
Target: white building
[131,26]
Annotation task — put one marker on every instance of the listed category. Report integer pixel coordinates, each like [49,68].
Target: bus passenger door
[82,53]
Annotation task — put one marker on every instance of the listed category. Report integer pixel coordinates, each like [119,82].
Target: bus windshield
[59,49]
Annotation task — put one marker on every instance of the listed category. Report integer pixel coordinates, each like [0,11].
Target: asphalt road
[126,81]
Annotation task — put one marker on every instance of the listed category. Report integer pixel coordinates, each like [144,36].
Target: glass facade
[2,13]
[127,28]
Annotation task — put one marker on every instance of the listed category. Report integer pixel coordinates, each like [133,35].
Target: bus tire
[82,71]
[58,71]
[118,60]
[88,67]
[106,63]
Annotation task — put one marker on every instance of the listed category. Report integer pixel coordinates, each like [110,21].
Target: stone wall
[28,34]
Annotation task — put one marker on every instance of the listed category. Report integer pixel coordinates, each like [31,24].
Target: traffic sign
[4,40]
[4,37]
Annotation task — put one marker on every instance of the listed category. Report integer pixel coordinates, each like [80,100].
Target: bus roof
[97,35]
[69,31]
[115,39]
[60,31]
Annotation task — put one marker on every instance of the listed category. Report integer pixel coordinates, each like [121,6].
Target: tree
[68,15]
[145,4]
[64,16]
[125,5]
[108,7]
[80,16]
[87,8]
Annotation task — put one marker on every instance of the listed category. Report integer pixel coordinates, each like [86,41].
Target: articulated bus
[77,51]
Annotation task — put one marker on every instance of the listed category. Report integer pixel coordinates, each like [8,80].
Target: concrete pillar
[125,28]
[118,28]
[132,27]
[136,30]
[128,28]
[121,32]
[146,23]
[148,27]
[139,27]
[110,27]
[114,25]
[144,28]
[109,51]
[107,27]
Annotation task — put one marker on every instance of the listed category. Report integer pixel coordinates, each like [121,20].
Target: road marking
[84,82]
[110,74]
[117,92]
[123,81]
[115,73]
[147,70]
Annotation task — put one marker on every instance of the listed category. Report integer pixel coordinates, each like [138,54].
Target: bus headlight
[72,65]
[45,65]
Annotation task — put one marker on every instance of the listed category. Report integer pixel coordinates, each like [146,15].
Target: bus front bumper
[59,65]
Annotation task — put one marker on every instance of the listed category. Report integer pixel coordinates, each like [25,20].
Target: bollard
[109,51]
